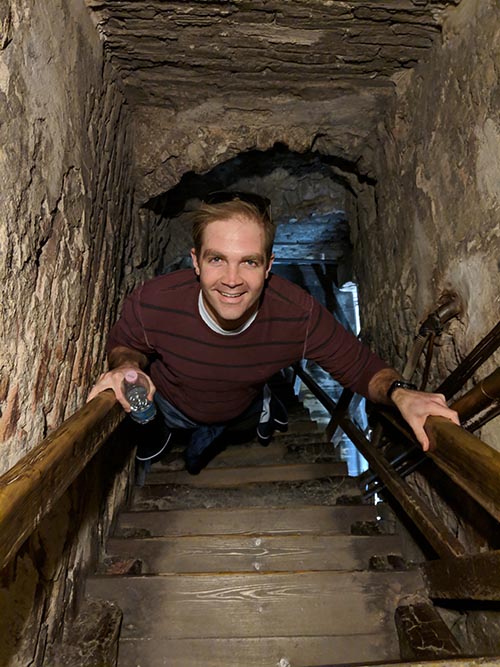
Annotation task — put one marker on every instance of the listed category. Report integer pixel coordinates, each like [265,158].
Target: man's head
[227,205]
[232,255]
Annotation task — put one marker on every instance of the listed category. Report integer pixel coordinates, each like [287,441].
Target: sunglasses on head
[262,204]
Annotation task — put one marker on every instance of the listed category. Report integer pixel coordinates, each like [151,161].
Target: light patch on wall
[458,20]
[4,77]
[488,163]
[470,277]
[426,185]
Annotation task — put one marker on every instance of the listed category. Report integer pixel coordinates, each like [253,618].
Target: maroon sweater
[213,378]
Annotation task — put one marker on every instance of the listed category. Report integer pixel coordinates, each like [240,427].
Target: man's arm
[414,406]
[121,359]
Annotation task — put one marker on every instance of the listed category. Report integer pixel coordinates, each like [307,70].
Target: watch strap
[400,384]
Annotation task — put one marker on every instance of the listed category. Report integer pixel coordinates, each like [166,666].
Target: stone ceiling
[211,79]
[177,53]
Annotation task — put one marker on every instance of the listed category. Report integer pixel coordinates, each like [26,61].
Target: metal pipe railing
[480,397]
[30,489]
[469,365]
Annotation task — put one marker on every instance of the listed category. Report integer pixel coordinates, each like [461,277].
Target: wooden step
[299,427]
[247,521]
[292,437]
[267,553]
[256,652]
[252,563]
[326,491]
[253,454]
[256,605]
[238,476]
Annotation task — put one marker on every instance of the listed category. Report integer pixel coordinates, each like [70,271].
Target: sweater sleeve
[129,329]
[339,352]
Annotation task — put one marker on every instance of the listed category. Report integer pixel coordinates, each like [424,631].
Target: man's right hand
[113,379]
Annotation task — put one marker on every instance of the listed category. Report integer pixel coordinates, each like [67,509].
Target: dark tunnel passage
[312,244]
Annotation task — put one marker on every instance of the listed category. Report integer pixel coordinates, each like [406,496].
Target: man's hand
[416,406]
[113,379]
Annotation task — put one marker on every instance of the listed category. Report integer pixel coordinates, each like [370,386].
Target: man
[212,338]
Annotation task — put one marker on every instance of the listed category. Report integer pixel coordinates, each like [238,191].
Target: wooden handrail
[471,463]
[468,461]
[30,489]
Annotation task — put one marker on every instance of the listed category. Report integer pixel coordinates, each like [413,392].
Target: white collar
[210,322]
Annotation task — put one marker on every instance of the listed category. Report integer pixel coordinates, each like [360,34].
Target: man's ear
[271,260]
[194,259]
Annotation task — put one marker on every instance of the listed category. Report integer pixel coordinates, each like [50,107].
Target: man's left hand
[416,406]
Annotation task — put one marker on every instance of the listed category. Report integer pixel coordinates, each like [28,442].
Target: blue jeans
[203,435]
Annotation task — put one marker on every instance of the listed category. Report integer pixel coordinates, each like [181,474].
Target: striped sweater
[213,378]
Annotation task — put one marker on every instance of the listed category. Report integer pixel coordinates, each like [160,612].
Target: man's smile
[231,295]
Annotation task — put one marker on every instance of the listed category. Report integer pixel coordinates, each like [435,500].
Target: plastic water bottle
[135,389]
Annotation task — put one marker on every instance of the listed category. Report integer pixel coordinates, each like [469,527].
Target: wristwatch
[400,384]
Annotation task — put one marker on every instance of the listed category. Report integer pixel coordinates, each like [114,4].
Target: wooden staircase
[263,559]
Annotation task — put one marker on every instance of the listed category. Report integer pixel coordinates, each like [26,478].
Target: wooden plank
[256,605]
[268,553]
[256,652]
[30,489]
[248,521]
[473,577]
[423,635]
[224,477]
[468,461]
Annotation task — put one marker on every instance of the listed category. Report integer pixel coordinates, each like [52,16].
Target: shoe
[272,417]
[152,449]
[194,465]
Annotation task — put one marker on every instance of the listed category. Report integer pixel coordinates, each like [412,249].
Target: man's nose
[232,275]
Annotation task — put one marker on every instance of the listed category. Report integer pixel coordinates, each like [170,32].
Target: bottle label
[144,416]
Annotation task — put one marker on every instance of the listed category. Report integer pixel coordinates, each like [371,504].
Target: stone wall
[68,228]
[432,224]
[66,201]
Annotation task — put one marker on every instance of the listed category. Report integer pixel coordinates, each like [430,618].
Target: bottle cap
[131,376]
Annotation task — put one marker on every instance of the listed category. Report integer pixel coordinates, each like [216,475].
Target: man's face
[232,268]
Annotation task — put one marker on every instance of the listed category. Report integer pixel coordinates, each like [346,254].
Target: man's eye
[214,260]
[252,262]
